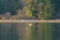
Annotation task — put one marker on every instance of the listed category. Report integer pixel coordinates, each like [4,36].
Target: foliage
[11,6]
[48,12]
[45,8]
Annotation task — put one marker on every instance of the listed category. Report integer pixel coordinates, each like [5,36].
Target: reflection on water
[8,32]
[35,31]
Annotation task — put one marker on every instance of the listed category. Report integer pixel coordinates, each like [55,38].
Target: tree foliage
[11,6]
[46,9]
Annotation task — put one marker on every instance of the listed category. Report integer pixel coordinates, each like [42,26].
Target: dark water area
[9,31]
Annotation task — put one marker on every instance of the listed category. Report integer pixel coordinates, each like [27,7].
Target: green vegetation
[47,10]
[11,6]
[42,9]
[33,7]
